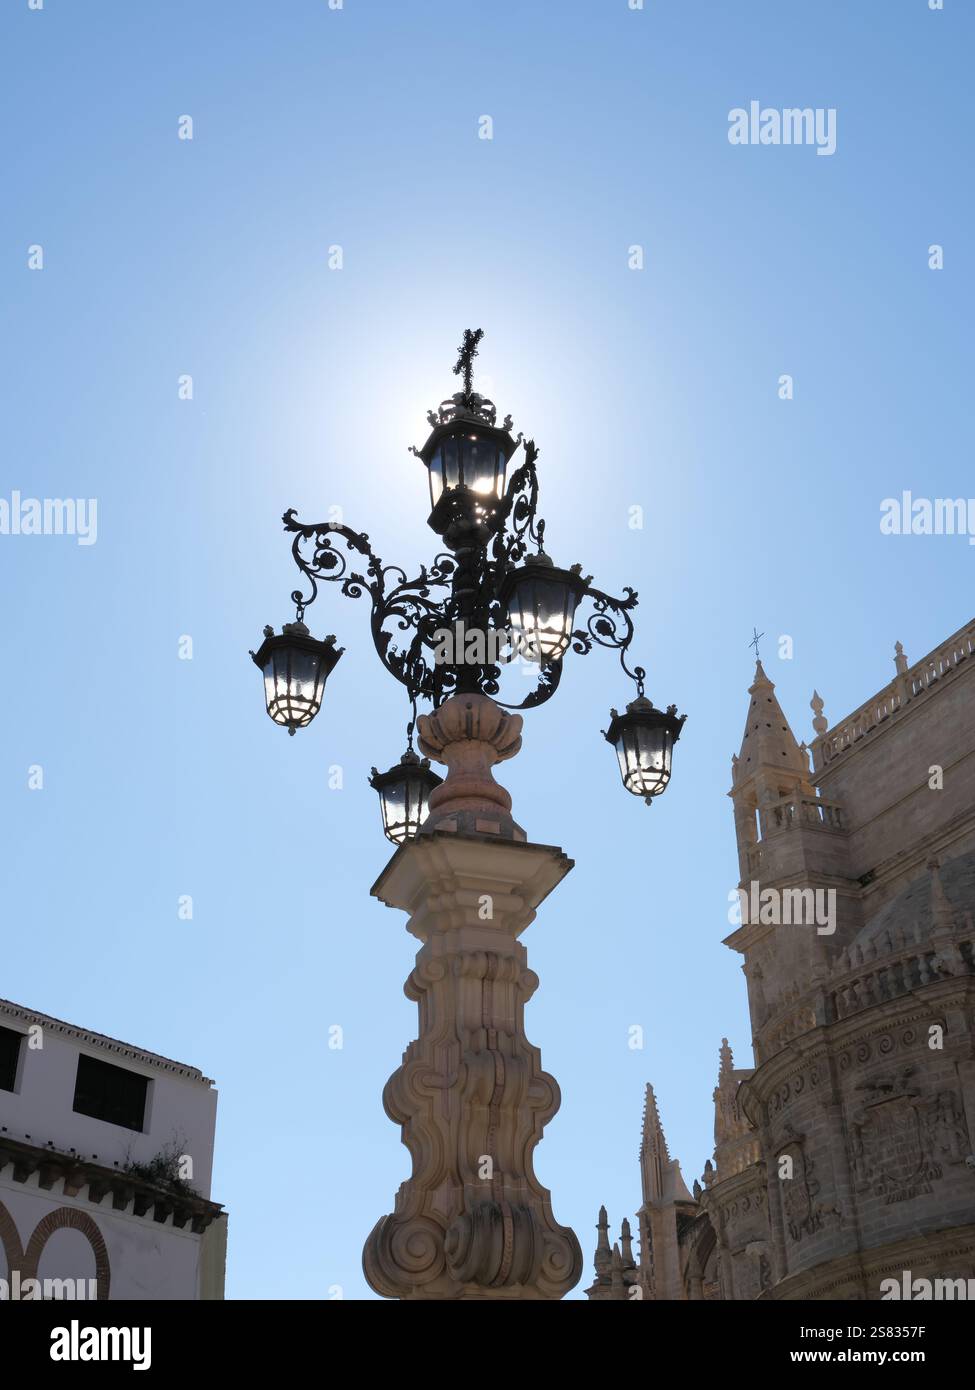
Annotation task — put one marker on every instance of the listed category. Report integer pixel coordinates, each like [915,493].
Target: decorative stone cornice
[28,1017]
[858,1275]
[125,1189]
[439,879]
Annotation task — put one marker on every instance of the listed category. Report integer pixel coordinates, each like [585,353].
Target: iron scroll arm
[405,603]
[412,606]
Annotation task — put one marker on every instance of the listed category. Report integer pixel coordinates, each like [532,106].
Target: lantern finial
[465,360]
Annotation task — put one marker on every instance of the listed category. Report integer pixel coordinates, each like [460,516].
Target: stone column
[472,1221]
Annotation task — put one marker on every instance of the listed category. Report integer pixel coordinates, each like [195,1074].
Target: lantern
[466,458]
[644,739]
[404,794]
[540,601]
[295,667]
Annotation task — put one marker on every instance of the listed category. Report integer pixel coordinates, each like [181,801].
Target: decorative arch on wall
[10,1240]
[59,1219]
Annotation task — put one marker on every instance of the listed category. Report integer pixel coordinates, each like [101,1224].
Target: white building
[106,1154]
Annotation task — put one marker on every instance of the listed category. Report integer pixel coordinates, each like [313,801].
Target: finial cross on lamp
[465,360]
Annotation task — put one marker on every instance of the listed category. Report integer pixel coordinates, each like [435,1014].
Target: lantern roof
[293,635]
[642,710]
[409,762]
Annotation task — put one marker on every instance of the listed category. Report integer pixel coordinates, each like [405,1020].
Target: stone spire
[733,1138]
[772,789]
[615,1268]
[665,1197]
[618,1287]
[603,1257]
[768,742]
[626,1241]
[725,1123]
[661,1175]
[653,1149]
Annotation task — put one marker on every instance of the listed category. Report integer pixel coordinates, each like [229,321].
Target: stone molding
[75,1174]
[28,1018]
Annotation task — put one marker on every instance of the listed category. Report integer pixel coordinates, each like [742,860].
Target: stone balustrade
[909,684]
[861,977]
[790,811]
[781,1027]
[901,961]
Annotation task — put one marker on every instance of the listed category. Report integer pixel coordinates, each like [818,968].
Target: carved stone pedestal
[473,1221]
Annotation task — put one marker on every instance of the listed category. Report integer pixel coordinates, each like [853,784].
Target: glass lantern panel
[394,799]
[521,621]
[276,689]
[305,669]
[270,690]
[415,788]
[644,757]
[293,684]
[541,613]
[555,607]
[622,757]
[436,478]
[451,462]
[481,465]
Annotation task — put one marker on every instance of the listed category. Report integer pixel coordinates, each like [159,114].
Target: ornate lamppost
[472,1221]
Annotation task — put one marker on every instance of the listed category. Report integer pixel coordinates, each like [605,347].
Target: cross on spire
[465,361]
[756,636]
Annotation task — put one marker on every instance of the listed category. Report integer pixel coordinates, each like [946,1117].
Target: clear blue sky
[657,388]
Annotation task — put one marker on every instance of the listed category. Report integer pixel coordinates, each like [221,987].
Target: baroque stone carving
[946,1128]
[472,1221]
[802,1216]
[892,1141]
[470,734]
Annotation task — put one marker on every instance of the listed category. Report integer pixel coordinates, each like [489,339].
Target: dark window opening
[9,1057]
[110,1093]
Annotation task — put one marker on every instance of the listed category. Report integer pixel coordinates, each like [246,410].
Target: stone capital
[443,878]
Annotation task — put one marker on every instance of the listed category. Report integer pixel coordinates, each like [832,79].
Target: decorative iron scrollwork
[410,617]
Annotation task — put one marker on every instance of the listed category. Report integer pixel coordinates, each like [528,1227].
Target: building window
[110,1093]
[9,1057]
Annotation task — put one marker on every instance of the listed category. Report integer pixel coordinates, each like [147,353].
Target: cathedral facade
[845,1156]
